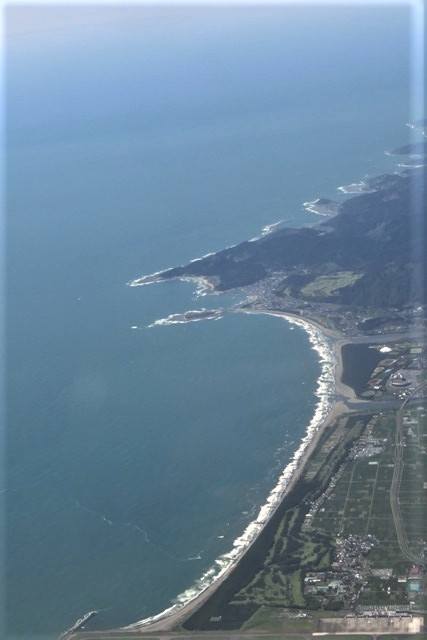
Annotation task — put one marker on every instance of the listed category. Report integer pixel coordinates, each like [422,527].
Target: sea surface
[139,139]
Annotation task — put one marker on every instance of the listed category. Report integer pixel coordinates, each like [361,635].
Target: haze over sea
[139,139]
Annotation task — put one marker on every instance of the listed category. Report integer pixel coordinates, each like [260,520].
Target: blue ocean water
[137,140]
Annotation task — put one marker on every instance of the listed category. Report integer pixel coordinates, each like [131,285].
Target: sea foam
[325,393]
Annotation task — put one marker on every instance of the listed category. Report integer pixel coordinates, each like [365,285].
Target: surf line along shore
[333,397]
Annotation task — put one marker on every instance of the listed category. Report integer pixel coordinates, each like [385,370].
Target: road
[396,480]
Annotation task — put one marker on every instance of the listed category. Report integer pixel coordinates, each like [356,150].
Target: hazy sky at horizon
[224,45]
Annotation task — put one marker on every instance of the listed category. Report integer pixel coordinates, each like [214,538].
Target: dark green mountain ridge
[367,255]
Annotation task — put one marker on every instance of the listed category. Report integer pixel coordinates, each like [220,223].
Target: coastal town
[241,452]
[344,549]
[271,293]
[344,559]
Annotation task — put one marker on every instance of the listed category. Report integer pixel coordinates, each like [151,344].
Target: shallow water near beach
[137,456]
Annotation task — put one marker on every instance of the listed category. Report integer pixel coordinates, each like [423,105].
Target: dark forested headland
[365,256]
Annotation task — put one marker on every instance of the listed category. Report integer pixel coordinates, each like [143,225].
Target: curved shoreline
[328,345]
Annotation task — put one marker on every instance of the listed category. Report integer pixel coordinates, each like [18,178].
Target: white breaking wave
[356,187]
[207,255]
[407,165]
[204,286]
[166,321]
[265,231]
[269,228]
[312,207]
[325,394]
[144,280]
[180,318]
[153,278]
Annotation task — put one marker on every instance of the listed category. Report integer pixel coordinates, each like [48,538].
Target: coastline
[333,397]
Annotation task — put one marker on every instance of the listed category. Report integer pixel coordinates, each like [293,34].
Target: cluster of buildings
[397,376]
[368,446]
[414,581]
[326,584]
[348,573]
[382,611]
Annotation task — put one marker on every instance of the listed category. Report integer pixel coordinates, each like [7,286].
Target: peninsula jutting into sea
[200,454]
[354,282]
[360,258]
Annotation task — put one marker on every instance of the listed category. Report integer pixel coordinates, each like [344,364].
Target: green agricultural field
[279,583]
[327,286]
[360,502]
[267,599]
[413,487]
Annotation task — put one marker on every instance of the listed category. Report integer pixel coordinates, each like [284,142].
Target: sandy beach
[174,616]
[170,619]
[342,400]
